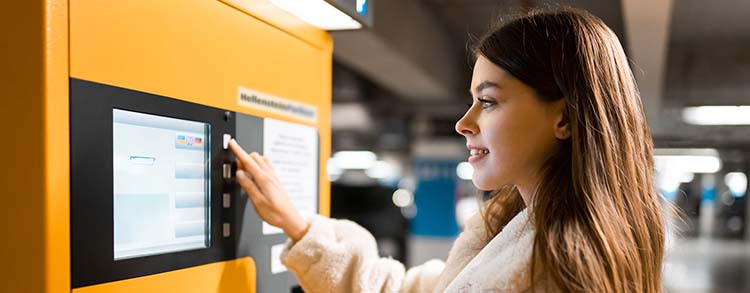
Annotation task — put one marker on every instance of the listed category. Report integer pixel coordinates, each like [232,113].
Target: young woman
[556,127]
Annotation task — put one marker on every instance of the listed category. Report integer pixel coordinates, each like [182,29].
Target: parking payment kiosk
[140,191]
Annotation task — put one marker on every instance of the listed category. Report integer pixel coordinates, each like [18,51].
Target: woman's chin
[481,183]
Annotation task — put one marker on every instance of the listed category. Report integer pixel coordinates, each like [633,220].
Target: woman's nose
[465,126]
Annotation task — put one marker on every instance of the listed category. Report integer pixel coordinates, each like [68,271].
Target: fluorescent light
[687,160]
[334,172]
[669,186]
[464,170]
[687,177]
[318,13]
[686,152]
[676,166]
[382,170]
[689,164]
[717,115]
[354,160]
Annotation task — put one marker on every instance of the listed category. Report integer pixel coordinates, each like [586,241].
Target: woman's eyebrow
[483,85]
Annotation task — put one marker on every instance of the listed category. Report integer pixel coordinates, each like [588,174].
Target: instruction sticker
[262,101]
[293,151]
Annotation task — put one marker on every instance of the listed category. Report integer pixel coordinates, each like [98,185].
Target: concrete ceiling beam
[407,51]
[647,32]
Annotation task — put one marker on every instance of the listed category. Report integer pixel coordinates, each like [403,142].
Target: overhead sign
[361,10]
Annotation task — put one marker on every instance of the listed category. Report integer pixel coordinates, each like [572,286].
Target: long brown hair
[597,215]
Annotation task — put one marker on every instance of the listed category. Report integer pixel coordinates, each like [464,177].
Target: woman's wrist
[297,229]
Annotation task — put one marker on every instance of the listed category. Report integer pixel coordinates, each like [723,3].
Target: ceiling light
[676,166]
[686,177]
[334,172]
[382,170]
[319,13]
[717,115]
[689,164]
[354,160]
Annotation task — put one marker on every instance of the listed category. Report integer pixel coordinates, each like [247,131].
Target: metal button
[226,139]
[227,171]
[226,230]
[227,200]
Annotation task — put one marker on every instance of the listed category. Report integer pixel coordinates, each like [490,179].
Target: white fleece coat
[341,256]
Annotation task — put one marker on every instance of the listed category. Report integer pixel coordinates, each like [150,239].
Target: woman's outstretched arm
[326,255]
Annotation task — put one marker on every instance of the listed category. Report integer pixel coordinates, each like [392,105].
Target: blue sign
[435,199]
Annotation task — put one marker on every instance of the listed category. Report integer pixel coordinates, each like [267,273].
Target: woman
[557,129]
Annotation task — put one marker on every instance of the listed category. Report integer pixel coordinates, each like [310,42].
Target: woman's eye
[486,103]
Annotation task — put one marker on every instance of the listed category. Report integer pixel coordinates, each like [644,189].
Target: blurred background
[400,84]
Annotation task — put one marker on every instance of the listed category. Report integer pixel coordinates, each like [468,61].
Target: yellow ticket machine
[126,108]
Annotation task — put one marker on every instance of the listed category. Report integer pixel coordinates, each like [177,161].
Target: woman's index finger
[245,160]
[236,147]
[238,151]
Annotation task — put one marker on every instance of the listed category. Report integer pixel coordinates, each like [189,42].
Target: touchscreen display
[161,184]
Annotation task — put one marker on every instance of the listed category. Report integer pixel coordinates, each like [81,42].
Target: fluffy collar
[476,264]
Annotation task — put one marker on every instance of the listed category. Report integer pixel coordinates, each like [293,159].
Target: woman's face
[509,131]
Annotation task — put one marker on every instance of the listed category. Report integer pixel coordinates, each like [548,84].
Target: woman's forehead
[488,75]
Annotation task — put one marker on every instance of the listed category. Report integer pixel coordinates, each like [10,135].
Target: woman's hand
[257,177]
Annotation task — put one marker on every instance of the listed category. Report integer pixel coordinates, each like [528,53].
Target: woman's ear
[562,129]
[562,123]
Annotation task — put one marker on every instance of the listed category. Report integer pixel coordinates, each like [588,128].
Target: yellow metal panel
[199,51]
[229,276]
[57,148]
[195,50]
[202,52]
[22,216]
[35,198]
[324,127]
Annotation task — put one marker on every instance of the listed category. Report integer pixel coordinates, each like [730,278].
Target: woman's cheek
[499,168]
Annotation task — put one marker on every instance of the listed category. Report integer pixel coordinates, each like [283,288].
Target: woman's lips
[476,154]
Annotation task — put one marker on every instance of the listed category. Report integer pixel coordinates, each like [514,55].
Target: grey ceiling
[709,55]
[477,16]
[410,70]
[708,63]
